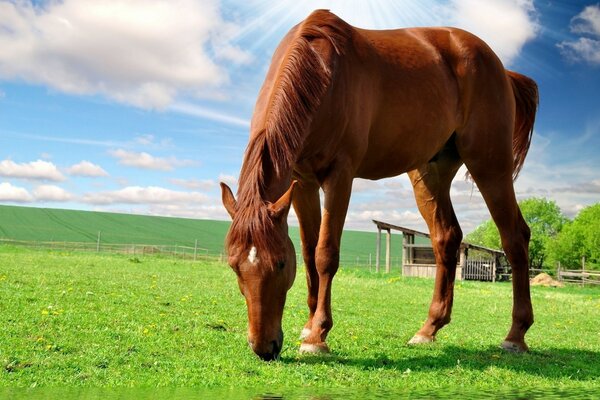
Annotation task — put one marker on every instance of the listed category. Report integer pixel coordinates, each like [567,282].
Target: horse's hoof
[310,348]
[304,334]
[513,347]
[420,339]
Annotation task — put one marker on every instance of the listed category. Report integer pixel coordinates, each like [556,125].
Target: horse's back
[427,81]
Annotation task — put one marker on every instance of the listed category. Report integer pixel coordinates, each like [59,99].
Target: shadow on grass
[580,365]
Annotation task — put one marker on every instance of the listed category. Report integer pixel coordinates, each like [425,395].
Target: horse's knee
[327,259]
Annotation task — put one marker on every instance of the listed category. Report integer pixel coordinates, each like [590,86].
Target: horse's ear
[228,200]
[281,207]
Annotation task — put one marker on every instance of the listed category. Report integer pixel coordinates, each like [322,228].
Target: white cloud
[86,168]
[194,184]
[582,49]
[228,179]
[139,52]
[586,47]
[146,161]
[583,187]
[144,195]
[35,170]
[587,21]
[14,194]
[505,25]
[51,193]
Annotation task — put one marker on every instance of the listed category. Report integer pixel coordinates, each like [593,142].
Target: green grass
[109,321]
[47,224]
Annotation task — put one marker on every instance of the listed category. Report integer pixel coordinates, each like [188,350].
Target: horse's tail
[304,76]
[526,101]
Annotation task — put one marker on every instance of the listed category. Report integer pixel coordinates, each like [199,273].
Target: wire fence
[135,249]
[194,253]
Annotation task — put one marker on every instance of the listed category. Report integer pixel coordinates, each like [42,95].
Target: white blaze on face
[252,256]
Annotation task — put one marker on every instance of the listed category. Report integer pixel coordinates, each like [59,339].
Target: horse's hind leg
[431,185]
[492,171]
[308,209]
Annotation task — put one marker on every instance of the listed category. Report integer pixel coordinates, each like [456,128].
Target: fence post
[195,248]
[377,255]
[388,251]
[98,243]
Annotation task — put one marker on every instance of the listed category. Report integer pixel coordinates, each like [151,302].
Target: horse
[340,102]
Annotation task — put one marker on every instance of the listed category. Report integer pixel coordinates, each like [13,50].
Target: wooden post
[404,251]
[98,243]
[582,270]
[411,251]
[388,251]
[462,262]
[378,253]
[195,249]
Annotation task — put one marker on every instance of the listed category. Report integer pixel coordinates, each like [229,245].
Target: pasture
[56,225]
[111,321]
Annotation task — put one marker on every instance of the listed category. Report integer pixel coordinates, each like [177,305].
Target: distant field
[45,224]
[89,320]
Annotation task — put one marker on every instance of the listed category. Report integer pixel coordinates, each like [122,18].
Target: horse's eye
[280,264]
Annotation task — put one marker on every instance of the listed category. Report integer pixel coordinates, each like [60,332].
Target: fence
[174,251]
[479,270]
[581,277]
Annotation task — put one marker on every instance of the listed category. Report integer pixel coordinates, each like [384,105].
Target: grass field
[46,224]
[109,321]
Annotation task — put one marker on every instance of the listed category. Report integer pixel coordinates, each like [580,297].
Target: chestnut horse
[341,102]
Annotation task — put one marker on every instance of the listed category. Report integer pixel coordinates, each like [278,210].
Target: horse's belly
[393,154]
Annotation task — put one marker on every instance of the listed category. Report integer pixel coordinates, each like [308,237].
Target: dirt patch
[544,279]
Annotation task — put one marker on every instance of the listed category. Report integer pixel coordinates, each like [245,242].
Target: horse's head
[263,258]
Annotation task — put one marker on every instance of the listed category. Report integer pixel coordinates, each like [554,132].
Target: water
[287,394]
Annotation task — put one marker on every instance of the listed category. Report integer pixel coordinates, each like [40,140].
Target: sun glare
[273,19]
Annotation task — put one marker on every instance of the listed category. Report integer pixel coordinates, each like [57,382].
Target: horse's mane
[302,80]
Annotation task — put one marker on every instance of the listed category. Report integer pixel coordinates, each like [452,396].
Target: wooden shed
[474,262]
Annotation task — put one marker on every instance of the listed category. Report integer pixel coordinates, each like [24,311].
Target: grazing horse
[340,102]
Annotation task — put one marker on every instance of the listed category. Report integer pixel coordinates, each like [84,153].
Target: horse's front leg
[308,210]
[337,190]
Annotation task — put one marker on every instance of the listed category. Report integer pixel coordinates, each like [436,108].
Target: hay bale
[544,279]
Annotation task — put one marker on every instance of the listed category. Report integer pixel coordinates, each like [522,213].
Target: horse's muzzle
[268,351]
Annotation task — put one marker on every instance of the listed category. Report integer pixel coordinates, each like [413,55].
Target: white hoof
[308,348]
[420,339]
[304,334]
[512,347]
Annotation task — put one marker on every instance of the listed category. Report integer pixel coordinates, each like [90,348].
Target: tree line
[554,237]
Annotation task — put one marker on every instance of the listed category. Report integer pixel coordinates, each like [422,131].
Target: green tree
[545,221]
[579,238]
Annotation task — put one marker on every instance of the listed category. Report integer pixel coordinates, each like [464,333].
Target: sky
[143,106]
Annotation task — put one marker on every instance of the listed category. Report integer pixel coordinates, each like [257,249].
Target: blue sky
[144,106]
